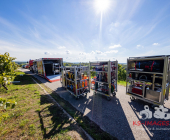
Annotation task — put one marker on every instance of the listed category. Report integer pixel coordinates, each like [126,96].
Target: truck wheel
[108,98]
[132,98]
[114,93]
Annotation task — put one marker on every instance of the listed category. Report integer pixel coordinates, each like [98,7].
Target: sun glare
[102,5]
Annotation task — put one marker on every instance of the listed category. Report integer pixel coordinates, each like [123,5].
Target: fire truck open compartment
[49,68]
[52,66]
[148,78]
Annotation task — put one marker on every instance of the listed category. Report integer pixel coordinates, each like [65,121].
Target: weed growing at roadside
[23,123]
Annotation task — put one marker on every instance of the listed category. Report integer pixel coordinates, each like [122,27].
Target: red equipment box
[137,90]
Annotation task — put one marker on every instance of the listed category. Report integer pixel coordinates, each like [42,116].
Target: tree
[121,73]
[7,69]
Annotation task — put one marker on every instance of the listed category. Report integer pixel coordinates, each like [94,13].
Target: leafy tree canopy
[7,69]
[121,73]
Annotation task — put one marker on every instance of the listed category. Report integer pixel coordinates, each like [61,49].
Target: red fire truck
[31,65]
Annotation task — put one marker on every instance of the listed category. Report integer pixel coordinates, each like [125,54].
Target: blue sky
[77,31]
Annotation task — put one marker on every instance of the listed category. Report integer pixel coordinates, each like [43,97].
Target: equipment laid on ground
[48,68]
[148,78]
[76,80]
[106,75]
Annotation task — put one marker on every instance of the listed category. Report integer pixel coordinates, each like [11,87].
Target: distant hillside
[75,64]
[20,62]
[124,65]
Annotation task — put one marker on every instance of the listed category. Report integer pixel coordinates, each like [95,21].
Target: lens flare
[102,5]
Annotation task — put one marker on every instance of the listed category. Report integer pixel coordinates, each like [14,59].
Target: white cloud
[114,27]
[98,52]
[68,52]
[116,24]
[155,44]
[139,46]
[82,53]
[61,47]
[115,46]
[112,51]
[47,53]
[92,52]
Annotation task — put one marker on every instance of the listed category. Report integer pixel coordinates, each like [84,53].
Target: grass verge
[35,116]
[89,126]
[122,83]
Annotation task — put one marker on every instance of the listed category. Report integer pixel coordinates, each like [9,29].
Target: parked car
[27,66]
[23,66]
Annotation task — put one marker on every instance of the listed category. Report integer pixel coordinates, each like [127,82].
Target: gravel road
[119,116]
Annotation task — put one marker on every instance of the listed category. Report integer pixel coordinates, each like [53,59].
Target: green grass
[36,92]
[34,116]
[23,123]
[32,129]
[122,83]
